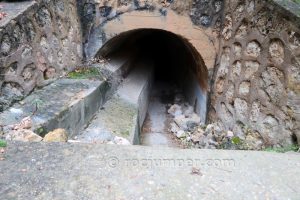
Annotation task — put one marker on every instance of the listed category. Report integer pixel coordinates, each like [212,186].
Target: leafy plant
[236,140]
[3,143]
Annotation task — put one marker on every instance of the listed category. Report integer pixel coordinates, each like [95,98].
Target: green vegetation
[85,73]
[3,143]
[236,140]
[40,131]
[283,149]
[296,1]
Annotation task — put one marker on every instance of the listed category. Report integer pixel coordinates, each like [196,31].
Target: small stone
[193,122]
[254,141]
[110,142]
[180,134]
[174,128]
[212,142]
[188,138]
[180,120]
[191,125]
[198,136]
[175,110]
[230,134]
[58,135]
[25,123]
[209,128]
[121,141]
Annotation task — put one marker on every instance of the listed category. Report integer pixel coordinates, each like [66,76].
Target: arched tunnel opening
[179,74]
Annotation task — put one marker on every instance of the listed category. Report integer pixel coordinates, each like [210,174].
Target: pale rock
[212,142]
[26,123]
[209,128]
[188,138]
[121,141]
[187,123]
[195,118]
[181,134]
[58,135]
[174,128]
[180,120]
[254,141]
[198,135]
[213,129]
[23,135]
[189,111]
[110,142]
[230,134]
[175,110]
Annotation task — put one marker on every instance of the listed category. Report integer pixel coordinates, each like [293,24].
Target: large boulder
[23,135]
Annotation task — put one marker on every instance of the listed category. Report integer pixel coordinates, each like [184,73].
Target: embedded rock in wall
[253,49]
[251,68]
[38,44]
[261,88]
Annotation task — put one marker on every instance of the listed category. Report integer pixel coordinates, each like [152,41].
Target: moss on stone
[118,117]
[292,147]
[85,73]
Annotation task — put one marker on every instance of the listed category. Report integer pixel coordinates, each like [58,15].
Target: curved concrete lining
[181,25]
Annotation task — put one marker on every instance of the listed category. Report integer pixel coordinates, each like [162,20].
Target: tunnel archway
[175,60]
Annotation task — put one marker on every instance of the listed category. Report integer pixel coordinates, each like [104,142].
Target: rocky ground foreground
[89,171]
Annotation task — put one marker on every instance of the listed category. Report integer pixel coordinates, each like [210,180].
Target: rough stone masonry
[250,48]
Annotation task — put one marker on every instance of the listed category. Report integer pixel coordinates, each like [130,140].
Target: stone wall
[40,41]
[256,84]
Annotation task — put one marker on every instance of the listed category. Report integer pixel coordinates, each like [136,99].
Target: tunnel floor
[155,130]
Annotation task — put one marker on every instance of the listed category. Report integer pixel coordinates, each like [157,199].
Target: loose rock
[58,135]
[121,141]
[25,123]
[180,134]
[175,110]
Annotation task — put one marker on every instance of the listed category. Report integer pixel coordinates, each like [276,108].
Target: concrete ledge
[66,103]
[290,6]
[136,91]
[124,114]
[91,171]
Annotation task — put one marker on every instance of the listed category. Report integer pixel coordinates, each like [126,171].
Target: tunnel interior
[177,64]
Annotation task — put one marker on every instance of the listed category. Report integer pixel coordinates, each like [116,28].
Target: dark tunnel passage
[178,69]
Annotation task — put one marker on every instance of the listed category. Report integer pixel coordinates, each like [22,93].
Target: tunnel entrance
[179,77]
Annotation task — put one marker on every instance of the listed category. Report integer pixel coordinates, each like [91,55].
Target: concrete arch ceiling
[131,38]
[202,39]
